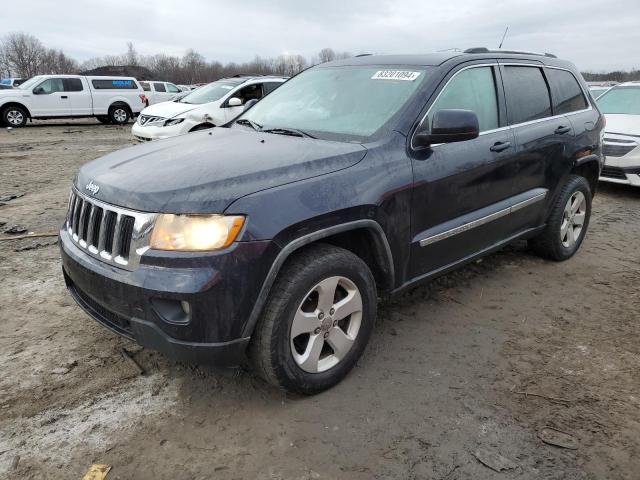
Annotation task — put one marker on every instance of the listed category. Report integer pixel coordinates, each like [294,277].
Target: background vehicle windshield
[623,100]
[342,103]
[209,93]
[29,83]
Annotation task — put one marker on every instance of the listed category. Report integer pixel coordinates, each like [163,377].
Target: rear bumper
[144,305]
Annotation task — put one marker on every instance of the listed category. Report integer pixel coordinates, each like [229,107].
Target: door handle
[500,146]
[63,96]
[562,129]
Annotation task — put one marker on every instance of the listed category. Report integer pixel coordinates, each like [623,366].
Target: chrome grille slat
[117,241]
[115,235]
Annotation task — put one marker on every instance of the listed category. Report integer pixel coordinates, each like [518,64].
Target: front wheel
[119,115]
[317,321]
[14,116]
[568,222]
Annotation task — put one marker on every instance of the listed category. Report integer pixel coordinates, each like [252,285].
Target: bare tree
[131,57]
[326,55]
[22,54]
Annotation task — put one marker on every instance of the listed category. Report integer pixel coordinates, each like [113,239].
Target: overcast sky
[595,34]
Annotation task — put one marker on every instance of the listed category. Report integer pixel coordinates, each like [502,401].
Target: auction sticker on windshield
[395,75]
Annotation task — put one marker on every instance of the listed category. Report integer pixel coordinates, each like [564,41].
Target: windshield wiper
[294,132]
[252,124]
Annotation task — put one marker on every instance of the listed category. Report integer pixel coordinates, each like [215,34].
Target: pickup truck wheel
[568,222]
[103,119]
[14,116]
[317,320]
[119,115]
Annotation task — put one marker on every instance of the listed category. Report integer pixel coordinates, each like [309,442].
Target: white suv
[621,146]
[158,92]
[214,104]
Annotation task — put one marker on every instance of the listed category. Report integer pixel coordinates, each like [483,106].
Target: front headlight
[173,121]
[195,233]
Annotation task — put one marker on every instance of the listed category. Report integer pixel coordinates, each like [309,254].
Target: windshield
[29,83]
[338,103]
[623,100]
[209,93]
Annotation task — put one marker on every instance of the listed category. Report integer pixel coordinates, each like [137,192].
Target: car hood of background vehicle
[623,124]
[168,109]
[203,172]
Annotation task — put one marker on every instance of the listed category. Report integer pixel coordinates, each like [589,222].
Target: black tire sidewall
[112,111]
[555,222]
[5,113]
[289,374]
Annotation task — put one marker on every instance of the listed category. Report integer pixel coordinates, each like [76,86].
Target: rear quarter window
[114,84]
[567,94]
[527,94]
[159,87]
[145,86]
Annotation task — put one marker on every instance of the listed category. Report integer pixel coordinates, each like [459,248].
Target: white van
[214,104]
[109,99]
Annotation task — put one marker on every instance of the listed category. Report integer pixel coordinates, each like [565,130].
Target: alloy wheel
[574,215]
[326,324]
[15,117]
[120,115]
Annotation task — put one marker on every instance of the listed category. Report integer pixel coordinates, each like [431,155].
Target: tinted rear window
[145,86]
[159,87]
[72,85]
[527,94]
[115,84]
[567,94]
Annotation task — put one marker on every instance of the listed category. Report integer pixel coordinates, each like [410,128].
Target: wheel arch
[589,168]
[352,236]
[15,104]
[201,126]
[120,103]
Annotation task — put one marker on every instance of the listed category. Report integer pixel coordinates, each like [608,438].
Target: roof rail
[486,50]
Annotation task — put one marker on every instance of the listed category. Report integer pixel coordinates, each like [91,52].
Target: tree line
[24,55]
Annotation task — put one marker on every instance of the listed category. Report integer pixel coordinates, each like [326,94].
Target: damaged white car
[214,104]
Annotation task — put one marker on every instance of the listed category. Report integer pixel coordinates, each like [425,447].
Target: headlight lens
[195,233]
[173,121]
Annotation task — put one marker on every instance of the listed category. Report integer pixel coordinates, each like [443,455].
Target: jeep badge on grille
[92,187]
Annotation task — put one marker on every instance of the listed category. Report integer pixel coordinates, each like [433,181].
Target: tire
[14,116]
[103,119]
[294,304]
[564,234]
[119,115]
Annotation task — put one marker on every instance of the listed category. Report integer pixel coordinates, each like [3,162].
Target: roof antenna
[503,37]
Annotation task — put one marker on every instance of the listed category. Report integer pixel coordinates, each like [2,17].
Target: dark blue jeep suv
[270,239]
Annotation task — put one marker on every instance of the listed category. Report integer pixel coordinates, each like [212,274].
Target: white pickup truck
[109,99]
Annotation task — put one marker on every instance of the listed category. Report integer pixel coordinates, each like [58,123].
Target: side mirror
[250,104]
[448,126]
[234,102]
[38,91]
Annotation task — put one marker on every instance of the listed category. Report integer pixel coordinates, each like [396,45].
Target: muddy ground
[473,365]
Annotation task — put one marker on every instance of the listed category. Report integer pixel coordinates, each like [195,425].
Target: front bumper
[141,305]
[152,132]
[622,159]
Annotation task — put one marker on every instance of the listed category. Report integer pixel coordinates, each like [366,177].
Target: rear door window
[527,94]
[472,89]
[269,87]
[567,94]
[73,85]
[159,87]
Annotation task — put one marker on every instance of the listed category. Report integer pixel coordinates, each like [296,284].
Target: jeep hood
[168,109]
[204,172]
[623,124]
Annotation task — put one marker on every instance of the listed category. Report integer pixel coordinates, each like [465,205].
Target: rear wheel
[119,115]
[14,116]
[317,321]
[568,222]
